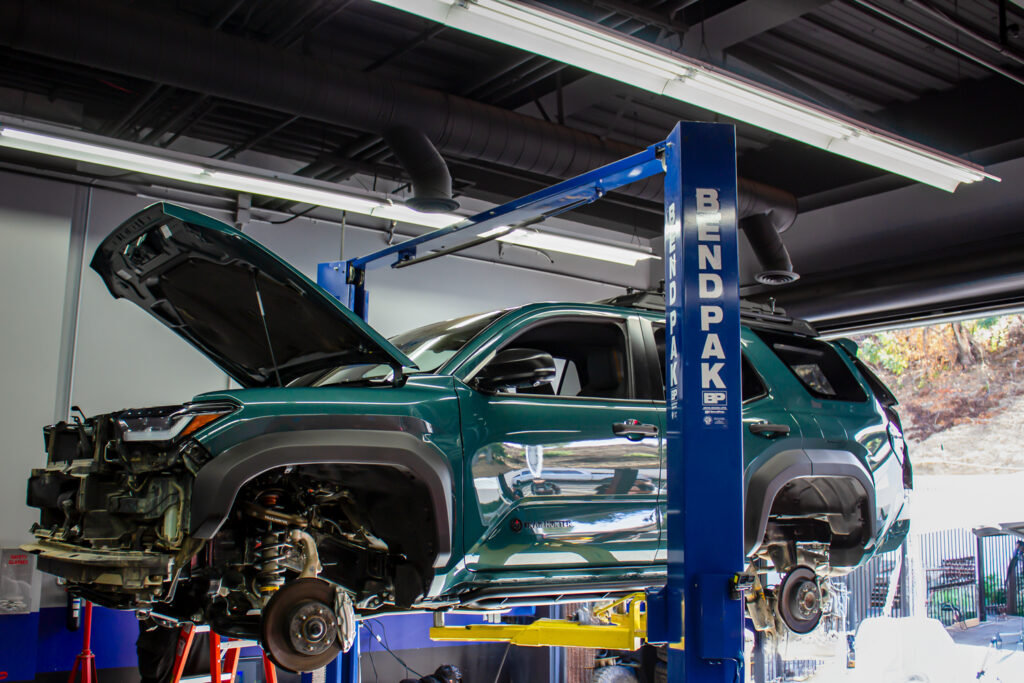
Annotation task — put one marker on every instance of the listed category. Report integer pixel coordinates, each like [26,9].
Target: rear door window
[752,386]
[817,365]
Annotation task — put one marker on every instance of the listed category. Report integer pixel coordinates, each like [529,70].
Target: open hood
[263,322]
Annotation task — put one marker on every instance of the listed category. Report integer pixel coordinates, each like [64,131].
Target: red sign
[17,559]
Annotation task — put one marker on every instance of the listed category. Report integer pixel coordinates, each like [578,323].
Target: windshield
[430,347]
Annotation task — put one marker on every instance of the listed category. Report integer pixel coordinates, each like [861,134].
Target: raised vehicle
[511,457]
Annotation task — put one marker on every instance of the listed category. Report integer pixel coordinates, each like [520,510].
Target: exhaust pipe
[431,181]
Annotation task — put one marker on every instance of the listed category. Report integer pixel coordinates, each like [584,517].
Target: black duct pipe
[767,244]
[431,181]
[122,39]
[758,199]
[765,212]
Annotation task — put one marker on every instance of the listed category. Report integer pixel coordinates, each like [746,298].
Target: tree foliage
[931,350]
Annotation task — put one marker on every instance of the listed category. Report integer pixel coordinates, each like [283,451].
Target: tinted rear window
[817,365]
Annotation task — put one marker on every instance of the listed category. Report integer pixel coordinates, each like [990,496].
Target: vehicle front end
[115,499]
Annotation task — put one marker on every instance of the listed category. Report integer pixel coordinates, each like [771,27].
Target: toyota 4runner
[512,457]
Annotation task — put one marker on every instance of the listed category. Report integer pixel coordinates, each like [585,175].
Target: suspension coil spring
[273,549]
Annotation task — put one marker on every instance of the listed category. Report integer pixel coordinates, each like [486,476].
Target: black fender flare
[218,482]
[785,466]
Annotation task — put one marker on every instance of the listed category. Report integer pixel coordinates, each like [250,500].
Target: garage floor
[1009,629]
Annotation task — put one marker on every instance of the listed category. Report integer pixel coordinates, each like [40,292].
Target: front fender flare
[217,484]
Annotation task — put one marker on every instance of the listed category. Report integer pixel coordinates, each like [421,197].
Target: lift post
[704,453]
[704,420]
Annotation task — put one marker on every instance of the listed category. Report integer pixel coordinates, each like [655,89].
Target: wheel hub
[311,629]
[808,600]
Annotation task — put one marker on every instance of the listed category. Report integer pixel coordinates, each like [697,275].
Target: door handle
[634,429]
[768,430]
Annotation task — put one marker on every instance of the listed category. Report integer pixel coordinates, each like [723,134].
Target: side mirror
[516,369]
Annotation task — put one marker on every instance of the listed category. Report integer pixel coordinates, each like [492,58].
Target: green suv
[508,458]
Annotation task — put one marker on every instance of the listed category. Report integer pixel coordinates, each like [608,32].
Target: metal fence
[949,562]
[882,579]
[1001,588]
[966,577]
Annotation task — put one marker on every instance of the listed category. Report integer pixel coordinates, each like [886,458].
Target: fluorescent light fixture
[93,154]
[578,247]
[564,38]
[200,171]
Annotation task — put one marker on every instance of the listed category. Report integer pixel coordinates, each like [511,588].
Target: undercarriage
[311,545]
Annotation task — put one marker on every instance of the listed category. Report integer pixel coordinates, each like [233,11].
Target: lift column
[704,438]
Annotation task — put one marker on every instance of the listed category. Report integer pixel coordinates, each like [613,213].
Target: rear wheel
[799,600]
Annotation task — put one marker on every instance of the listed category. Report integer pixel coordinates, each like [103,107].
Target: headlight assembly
[169,426]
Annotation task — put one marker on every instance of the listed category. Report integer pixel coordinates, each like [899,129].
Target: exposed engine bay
[115,502]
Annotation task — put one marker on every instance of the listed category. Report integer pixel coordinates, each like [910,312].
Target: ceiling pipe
[431,181]
[123,39]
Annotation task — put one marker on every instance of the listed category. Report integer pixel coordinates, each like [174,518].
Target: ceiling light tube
[95,154]
[579,247]
[201,173]
[567,39]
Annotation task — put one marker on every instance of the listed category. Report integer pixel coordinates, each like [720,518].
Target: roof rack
[752,314]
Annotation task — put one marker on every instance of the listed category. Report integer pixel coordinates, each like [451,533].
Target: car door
[770,426]
[563,474]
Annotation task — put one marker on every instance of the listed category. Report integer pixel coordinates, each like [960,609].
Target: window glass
[751,383]
[590,358]
[430,347]
[816,364]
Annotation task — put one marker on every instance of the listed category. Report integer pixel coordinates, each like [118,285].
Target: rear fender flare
[217,484]
[787,466]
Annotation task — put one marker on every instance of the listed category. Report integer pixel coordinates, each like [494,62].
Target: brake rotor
[300,628]
[799,600]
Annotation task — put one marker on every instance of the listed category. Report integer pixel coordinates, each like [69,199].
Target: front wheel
[300,627]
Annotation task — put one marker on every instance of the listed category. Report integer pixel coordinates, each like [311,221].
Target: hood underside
[262,321]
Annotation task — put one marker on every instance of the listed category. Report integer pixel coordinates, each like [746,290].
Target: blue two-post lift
[703,399]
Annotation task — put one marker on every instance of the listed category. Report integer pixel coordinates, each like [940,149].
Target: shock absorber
[273,548]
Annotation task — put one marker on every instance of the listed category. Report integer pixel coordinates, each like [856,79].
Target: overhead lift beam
[703,398]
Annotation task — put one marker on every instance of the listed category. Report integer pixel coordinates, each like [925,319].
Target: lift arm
[347,279]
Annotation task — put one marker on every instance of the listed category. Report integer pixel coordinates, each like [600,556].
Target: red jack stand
[85,662]
[220,671]
[269,670]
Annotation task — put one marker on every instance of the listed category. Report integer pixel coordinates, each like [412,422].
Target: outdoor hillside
[961,392]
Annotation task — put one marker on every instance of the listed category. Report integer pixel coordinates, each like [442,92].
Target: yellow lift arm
[622,626]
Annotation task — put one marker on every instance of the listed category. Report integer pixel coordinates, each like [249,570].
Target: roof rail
[752,314]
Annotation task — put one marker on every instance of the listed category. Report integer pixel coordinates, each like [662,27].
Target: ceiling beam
[710,38]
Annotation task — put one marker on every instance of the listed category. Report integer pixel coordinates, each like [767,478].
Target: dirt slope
[966,421]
